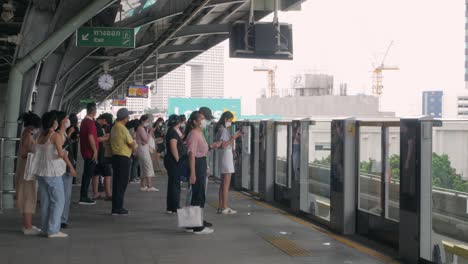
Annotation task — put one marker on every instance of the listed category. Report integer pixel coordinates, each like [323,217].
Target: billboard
[119,102]
[137,91]
[218,106]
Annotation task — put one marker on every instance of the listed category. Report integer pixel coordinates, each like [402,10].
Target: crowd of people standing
[119,152]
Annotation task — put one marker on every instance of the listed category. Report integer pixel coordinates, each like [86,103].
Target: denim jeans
[67,187]
[52,203]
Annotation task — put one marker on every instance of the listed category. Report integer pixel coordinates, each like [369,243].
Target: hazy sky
[344,38]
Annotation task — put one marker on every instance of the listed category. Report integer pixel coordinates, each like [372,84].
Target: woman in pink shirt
[198,150]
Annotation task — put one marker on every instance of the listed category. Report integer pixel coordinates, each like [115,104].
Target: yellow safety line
[288,246]
[343,240]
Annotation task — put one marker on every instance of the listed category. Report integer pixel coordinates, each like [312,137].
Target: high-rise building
[432,103]
[203,76]
[171,85]
[462,106]
[466,44]
[312,84]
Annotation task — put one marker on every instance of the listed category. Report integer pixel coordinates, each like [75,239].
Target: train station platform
[259,233]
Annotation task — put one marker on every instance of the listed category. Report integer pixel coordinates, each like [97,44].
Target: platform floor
[257,234]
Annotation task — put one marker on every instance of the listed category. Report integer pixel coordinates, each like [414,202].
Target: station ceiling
[173,30]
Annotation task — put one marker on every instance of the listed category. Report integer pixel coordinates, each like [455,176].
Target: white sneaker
[205,231]
[144,189]
[229,211]
[152,189]
[58,235]
[34,231]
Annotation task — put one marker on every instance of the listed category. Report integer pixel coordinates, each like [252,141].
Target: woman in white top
[143,137]
[49,166]
[226,159]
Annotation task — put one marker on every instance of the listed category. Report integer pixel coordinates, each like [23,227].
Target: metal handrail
[2,166]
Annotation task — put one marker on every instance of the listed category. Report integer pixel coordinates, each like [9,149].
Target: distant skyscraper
[171,85]
[462,104]
[205,79]
[432,103]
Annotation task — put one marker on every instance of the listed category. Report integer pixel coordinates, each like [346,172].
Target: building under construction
[312,84]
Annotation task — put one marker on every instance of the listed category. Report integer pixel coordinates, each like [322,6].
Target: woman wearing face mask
[143,134]
[26,191]
[64,124]
[49,166]
[175,162]
[226,159]
[159,139]
[197,151]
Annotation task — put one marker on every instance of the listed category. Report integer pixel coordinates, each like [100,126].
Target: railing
[7,170]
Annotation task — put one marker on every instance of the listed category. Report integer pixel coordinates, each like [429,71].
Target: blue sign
[218,106]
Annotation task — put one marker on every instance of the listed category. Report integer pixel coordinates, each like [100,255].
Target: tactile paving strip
[287,246]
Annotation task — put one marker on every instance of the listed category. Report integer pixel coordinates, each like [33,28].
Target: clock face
[106,82]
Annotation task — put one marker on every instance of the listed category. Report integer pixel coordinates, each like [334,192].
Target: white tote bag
[28,170]
[190,216]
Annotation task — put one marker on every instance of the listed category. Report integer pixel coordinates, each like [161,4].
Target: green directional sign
[87,101]
[105,37]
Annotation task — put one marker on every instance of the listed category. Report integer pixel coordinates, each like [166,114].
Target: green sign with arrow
[105,37]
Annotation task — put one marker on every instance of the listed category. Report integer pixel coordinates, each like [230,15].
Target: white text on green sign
[105,37]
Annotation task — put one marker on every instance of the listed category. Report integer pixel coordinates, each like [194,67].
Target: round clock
[106,82]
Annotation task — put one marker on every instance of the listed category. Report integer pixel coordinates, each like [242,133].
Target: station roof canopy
[173,30]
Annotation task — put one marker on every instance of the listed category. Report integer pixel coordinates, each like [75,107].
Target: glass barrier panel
[370,170]
[281,155]
[392,175]
[449,189]
[246,172]
[318,197]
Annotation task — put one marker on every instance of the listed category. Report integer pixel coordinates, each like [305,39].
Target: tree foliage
[443,174]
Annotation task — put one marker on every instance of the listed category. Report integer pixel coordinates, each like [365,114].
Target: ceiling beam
[189,13]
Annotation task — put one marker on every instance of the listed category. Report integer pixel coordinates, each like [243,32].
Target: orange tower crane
[377,85]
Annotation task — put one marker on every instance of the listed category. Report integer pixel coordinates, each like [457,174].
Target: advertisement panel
[218,106]
[119,102]
[137,91]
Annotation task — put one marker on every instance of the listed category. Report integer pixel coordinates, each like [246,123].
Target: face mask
[67,124]
[228,124]
[147,124]
[204,123]
[54,127]
[36,131]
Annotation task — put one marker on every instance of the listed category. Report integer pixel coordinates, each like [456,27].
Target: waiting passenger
[159,139]
[70,173]
[89,150]
[103,166]
[26,190]
[198,150]
[73,133]
[122,145]
[49,167]
[226,159]
[134,168]
[143,136]
[175,162]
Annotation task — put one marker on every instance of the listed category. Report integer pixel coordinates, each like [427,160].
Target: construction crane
[377,85]
[271,70]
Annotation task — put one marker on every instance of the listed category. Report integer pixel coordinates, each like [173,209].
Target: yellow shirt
[120,139]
